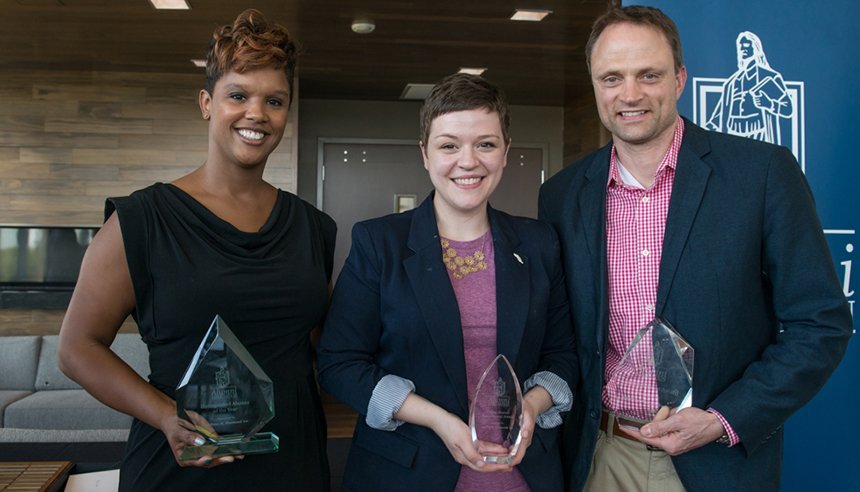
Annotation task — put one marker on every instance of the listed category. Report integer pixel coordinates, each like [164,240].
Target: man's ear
[680,80]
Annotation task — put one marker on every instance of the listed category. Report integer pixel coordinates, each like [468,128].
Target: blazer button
[593,414]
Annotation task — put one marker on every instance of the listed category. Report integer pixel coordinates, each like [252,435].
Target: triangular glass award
[659,356]
[227,396]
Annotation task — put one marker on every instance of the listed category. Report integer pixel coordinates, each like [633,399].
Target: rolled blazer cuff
[558,389]
[387,398]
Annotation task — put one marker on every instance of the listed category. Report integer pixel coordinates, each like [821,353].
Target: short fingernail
[199,441]
[646,431]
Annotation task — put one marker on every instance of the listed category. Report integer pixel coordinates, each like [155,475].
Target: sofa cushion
[19,357]
[128,346]
[63,409]
[8,435]
[10,396]
[131,348]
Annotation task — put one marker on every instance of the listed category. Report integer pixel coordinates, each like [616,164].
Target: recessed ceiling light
[416,91]
[531,15]
[170,4]
[363,26]
[198,62]
[473,70]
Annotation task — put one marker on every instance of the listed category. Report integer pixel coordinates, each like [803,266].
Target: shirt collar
[619,175]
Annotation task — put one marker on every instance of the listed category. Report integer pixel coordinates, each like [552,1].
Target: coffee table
[35,476]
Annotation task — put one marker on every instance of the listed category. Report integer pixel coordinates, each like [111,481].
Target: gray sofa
[39,404]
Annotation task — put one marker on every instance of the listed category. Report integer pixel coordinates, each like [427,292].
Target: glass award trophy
[227,396]
[496,411]
[658,354]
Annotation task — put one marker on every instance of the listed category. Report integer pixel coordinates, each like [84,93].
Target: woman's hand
[535,402]
[452,431]
[180,433]
[458,439]
[527,426]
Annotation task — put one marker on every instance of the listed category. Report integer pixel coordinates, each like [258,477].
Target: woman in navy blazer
[426,300]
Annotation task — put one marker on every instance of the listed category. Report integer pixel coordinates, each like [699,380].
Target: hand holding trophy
[496,413]
[227,396]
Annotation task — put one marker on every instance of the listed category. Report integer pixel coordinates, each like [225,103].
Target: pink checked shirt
[635,223]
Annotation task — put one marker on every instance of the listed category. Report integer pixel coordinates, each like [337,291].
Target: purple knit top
[476,298]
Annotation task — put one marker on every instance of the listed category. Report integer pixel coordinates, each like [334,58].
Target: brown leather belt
[617,422]
[616,429]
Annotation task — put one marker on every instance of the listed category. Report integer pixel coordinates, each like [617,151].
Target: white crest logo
[754,102]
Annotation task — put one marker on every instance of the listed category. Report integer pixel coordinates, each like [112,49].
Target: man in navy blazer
[741,270]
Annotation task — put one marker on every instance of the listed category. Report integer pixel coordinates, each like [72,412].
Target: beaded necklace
[460,266]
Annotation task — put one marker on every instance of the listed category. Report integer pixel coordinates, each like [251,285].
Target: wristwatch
[724,440]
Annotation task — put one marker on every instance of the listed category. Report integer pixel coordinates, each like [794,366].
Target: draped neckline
[275,225]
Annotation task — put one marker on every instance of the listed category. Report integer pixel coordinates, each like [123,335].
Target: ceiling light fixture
[416,91]
[363,26]
[170,4]
[473,70]
[199,62]
[530,15]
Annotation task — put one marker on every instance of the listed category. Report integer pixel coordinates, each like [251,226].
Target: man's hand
[683,431]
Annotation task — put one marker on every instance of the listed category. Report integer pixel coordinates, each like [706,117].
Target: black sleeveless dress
[270,287]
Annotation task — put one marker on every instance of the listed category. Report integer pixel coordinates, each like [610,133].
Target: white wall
[399,120]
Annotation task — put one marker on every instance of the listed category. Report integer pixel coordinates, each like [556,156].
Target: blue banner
[807,57]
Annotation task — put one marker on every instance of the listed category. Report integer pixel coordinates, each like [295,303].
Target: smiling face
[465,154]
[248,115]
[635,83]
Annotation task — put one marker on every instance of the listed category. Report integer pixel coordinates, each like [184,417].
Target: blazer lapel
[512,287]
[691,179]
[435,297]
[592,207]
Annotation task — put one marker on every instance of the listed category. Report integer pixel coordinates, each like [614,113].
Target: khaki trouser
[623,465]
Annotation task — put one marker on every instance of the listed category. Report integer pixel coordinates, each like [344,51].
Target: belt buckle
[619,422]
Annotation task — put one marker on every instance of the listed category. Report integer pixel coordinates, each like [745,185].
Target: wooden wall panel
[583,131]
[69,139]
[16,322]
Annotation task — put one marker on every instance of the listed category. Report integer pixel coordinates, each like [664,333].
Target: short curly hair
[251,42]
[462,92]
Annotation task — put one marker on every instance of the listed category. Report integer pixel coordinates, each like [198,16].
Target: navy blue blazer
[745,276]
[394,311]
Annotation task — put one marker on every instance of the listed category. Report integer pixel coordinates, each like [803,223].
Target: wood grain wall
[69,139]
[583,131]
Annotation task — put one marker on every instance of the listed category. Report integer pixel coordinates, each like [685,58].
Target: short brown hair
[250,42]
[462,92]
[639,15]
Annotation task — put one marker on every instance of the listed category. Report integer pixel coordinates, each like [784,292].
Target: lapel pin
[518,258]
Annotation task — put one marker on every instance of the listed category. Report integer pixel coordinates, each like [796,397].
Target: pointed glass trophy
[227,396]
[658,354]
[496,411]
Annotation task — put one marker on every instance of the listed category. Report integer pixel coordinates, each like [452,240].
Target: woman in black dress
[219,240]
